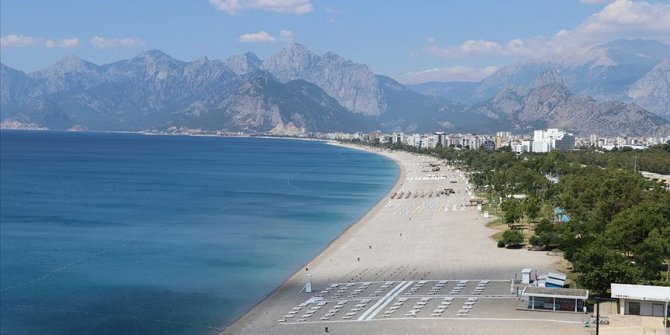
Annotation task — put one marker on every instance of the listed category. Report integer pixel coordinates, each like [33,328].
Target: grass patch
[497,236]
[495,224]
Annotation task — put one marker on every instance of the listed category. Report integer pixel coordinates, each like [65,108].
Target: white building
[552,139]
[398,137]
[642,299]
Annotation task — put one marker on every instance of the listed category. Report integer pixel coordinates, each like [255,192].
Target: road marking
[391,292]
[372,312]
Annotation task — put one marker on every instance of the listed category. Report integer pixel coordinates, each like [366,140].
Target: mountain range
[296,91]
[632,71]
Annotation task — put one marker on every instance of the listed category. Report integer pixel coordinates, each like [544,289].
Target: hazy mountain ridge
[297,91]
[292,90]
[547,102]
[634,71]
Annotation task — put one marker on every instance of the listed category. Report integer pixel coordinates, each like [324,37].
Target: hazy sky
[411,41]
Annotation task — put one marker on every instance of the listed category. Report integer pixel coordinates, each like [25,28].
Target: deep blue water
[132,234]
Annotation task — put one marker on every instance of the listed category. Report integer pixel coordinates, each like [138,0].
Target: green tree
[546,235]
[532,207]
[601,266]
[512,238]
[513,211]
[651,253]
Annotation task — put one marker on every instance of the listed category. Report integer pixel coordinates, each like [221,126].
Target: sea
[108,233]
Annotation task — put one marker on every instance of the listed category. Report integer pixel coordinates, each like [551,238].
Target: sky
[411,41]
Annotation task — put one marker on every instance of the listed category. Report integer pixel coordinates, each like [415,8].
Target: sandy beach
[402,247]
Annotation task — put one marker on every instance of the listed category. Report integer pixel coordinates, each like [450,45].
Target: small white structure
[642,300]
[525,275]
[555,279]
[308,285]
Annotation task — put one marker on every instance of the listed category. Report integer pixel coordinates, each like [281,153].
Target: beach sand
[414,239]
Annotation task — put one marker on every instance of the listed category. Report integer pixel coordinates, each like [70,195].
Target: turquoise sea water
[132,234]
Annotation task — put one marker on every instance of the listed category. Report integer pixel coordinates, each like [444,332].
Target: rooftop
[568,293]
[641,292]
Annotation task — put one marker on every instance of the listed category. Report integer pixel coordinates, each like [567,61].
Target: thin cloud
[67,43]
[468,48]
[12,40]
[259,37]
[287,35]
[107,43]
[594,2]
[450,73]
[233,7]
[264,37]
[618,19]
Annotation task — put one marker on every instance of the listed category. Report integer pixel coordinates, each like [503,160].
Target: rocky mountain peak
[202,60]
[155,57]
[333,57]
[244,64]
[291,62]
[69,64]
[548,78]
[353,85]
[153,54]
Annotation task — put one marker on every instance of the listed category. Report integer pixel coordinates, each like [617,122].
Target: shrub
[501,244]
[512,238]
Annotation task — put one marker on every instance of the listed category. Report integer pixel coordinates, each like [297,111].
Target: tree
[532,207]
[513,211]
[546,235]
[512,238]
[650,254]
[601,266]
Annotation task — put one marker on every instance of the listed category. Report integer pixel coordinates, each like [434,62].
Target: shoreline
[404,240]
[370,212]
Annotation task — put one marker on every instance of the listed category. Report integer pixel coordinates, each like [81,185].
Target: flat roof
[557,275]
[550,292]
[641,292]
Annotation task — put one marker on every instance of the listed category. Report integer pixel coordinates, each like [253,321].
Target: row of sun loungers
[403,195]
[446,302]
[467,306]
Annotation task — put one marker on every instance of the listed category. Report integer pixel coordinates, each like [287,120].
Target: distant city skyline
[428,40]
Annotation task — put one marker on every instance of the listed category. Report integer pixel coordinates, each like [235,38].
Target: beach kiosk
[555,299]
[642,300]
